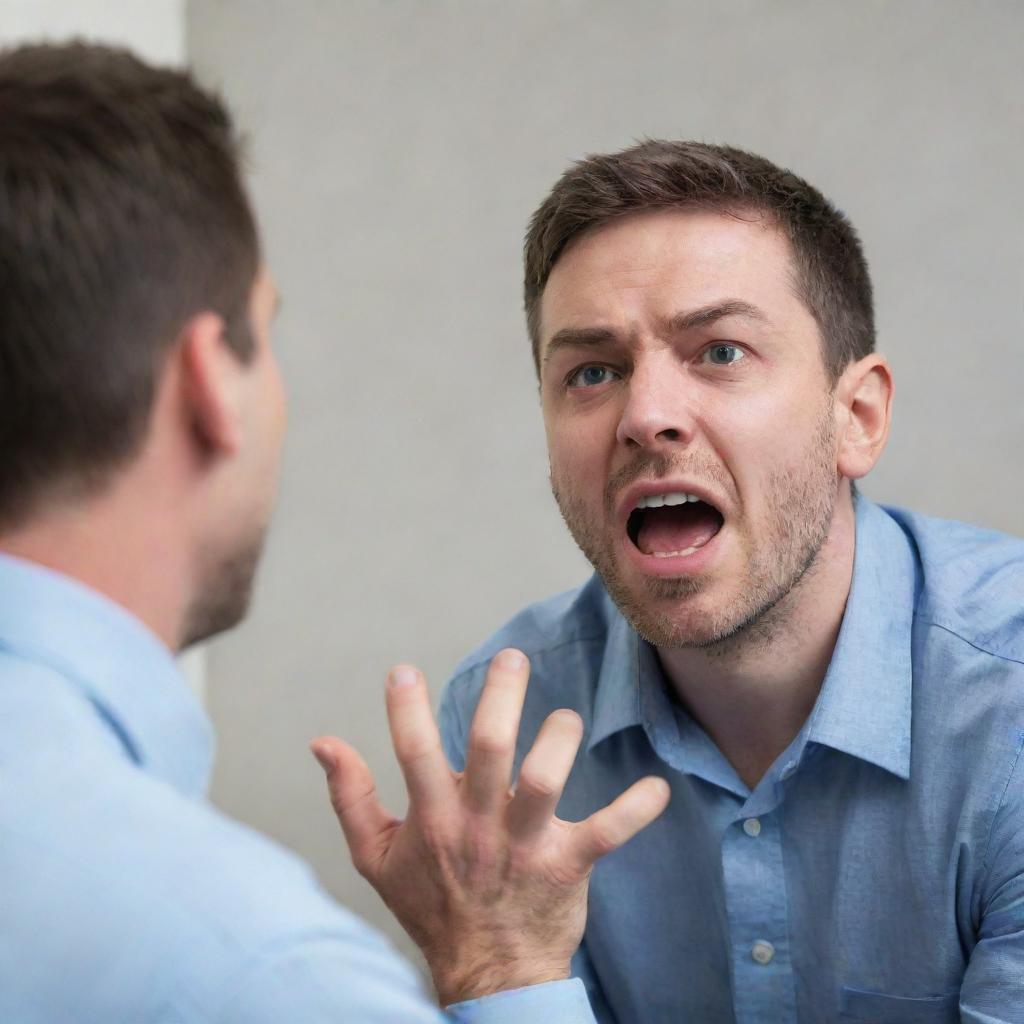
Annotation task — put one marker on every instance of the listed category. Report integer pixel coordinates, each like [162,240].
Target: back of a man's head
[122,214]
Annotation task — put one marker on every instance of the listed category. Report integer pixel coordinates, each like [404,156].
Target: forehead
[659,263]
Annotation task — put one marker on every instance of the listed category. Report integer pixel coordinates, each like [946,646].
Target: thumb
[367,826]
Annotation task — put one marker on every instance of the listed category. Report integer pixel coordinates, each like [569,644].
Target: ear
[864,412]
[210,375]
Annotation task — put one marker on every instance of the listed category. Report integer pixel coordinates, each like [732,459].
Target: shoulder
[564,637]
[972,582]
[578,615]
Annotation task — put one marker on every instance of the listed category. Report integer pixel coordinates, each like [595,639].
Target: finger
[367,826]
[609,828]
[543,774]
[417,742]
[492,736]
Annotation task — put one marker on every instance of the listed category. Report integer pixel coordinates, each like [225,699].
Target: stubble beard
[225,598]
[800,505]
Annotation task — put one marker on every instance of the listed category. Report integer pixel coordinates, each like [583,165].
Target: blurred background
[397,150]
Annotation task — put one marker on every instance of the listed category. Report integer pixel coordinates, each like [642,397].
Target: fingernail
[323,756]
[510,658]
[403,675]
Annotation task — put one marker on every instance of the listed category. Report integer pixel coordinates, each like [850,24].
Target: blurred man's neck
[129,544]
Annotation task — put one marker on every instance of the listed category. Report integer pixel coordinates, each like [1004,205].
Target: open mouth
[672,525]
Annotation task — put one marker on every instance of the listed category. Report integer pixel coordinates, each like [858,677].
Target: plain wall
[398,149]
[154,29]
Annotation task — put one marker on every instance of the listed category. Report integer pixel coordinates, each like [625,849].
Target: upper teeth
[657,500]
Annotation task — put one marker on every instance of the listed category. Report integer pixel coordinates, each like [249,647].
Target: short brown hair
[122,214]
[832,274]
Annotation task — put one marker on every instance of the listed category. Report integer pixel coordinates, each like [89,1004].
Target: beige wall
[399,148]
[154,29]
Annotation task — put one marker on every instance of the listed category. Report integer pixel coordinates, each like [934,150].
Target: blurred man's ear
[864,414]
[211,376]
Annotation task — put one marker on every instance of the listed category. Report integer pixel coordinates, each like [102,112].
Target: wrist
[457,985]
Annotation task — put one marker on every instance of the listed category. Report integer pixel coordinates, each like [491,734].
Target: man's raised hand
[490,885]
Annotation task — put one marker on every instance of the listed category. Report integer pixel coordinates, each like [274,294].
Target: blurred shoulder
[158,902]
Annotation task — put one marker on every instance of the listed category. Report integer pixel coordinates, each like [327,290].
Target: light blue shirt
[125,898]
[876,872]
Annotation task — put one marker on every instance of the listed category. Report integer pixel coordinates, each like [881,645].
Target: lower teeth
[676,554]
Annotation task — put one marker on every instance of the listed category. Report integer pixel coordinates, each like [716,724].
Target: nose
[658,408]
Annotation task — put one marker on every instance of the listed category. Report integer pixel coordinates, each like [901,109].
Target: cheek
[766,438]
[575,455]
[277,398]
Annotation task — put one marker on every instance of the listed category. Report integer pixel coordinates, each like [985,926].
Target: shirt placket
[753,873]
[758,915]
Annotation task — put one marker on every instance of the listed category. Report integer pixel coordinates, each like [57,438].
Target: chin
[687,612]
[224,599]
[666,612]
[674,629]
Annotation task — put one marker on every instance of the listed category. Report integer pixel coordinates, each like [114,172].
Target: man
[141,417]
[833,690]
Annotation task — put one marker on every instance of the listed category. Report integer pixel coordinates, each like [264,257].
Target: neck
[753,692]
[126,544]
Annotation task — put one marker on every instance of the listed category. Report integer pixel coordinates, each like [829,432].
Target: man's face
[231,562]
[677,360]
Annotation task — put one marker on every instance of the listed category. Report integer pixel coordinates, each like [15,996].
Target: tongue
[677,528]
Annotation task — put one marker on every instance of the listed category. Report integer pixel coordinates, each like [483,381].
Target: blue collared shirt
[876,872]
[125,898]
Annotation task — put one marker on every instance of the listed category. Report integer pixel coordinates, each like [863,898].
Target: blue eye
[590,376]
[723,355]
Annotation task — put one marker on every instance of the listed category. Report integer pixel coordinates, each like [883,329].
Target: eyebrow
[710,314]
[578,337]
[592,337]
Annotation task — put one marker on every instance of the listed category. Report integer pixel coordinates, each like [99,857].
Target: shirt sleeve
[326,982]
[555,1002]
[993,983]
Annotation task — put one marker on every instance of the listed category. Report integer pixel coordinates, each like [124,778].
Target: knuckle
[483,855]
[362,864]
[345,802]
[436,835]
[565,875]
[413,749]
[490,742]
[537,784]
[437,848]
[604,838]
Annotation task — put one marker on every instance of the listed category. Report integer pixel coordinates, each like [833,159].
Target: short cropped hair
[122,215]
[831,274]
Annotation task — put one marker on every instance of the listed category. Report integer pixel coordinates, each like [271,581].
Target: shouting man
[834,690]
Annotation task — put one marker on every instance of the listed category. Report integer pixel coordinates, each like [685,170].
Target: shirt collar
[617,701]
[865,702]
[119,665]
[864,707]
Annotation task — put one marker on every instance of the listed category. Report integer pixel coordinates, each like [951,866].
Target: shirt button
[788,771]
[752,827]
[762,952]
